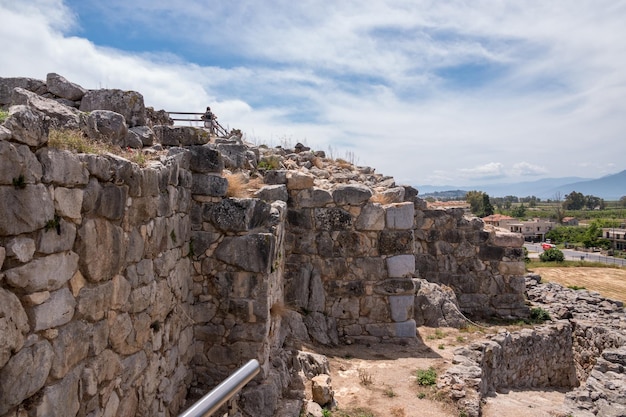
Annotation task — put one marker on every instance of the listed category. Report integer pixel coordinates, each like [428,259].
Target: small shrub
[439,334]
[575,287]
[460,339]
[389,392]
[426,377]
[441,346]
[270,162]
[365,377]
[3,116]
[421,395]
[326,413]
[538,314]
[19,182]
[552,255]
[54,224]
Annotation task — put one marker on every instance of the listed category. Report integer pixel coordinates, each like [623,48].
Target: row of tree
[578,201]
[482,205]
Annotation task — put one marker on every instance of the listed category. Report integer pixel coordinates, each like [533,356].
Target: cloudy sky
[430,92]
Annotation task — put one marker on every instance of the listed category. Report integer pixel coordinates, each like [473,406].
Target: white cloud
[486,171]
[527,169]
[365,76]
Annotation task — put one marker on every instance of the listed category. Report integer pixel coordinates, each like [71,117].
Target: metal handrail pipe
[219,395]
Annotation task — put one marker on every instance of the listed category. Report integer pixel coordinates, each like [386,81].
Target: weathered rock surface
[63,88]
[127,103]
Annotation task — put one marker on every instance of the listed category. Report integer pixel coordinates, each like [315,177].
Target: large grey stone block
[406,329]
[238,214]
[129,104]
[24,210]
[9,83]
[18,162]
[401,266]
[60,116]
[351,194]
[14,324]
[272,193]
[205,159]
[181,135]
[55,311]
[106,126]
[61,87]
[209,185]
[372,217]
[24,375]
[401,307]
[62,168]
[251,252]
[95,238]
[44,274]
[400,216]
[27,125]
[312,197]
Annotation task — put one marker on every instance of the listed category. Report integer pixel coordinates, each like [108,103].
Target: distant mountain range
[610,187]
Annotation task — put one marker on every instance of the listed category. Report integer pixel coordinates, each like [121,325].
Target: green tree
[519,211]
[480,204]
[487,207]
[574,201]
[622,201]
[591,202]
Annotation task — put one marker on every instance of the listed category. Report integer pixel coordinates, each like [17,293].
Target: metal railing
[219,395]
[215,124]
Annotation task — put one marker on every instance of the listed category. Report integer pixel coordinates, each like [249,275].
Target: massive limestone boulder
[181,135]
[8,84]
[13,325]
[127,103]
[18,162]
[106,126]
[436,306]
[61,116]
[24,209]
[63,88]
[28,125]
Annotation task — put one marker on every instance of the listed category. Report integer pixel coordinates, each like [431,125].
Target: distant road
[574,255]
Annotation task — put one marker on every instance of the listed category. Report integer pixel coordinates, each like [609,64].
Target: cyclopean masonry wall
[583,346]
[352,265]
[128,290]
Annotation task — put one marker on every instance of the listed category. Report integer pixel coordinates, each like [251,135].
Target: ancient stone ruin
[133,282]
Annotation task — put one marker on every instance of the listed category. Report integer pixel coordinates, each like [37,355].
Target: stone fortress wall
[125,290]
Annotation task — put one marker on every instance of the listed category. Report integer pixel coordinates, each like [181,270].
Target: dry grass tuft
[397,412]
[318,162]
[278,309]
[342,163]
[76,141]
[237,186]
[381,198]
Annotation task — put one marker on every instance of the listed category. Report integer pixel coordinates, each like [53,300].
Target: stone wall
[484,267]
[95,283]
[582,346]
[352,264]
[128,290]
[530,358]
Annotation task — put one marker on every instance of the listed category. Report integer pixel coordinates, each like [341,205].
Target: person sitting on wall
[210,120]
